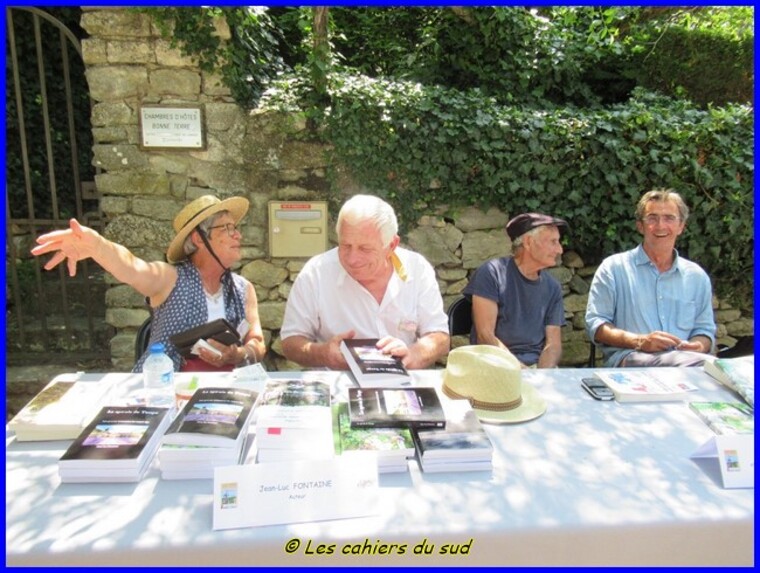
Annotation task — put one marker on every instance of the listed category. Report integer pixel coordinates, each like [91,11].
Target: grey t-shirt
[526,306]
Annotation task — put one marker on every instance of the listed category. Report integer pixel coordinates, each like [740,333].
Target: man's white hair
[361,208]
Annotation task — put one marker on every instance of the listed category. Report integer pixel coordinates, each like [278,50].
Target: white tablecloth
[588,483]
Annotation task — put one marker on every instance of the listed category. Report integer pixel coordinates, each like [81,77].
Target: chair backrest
[460,316]
[592,356]
[743,347]
[143,336]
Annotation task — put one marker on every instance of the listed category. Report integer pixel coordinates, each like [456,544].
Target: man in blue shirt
[648,306]
[514,304]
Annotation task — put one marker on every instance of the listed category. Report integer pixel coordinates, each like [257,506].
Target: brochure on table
[294,492]
[736,456]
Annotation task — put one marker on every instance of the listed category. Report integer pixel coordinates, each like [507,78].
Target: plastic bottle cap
[157,348]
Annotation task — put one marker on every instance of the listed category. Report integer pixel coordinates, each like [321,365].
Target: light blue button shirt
[630,293]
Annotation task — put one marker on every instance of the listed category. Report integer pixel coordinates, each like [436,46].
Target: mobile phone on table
[598,389]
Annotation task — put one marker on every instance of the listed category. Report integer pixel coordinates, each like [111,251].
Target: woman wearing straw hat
[194,287]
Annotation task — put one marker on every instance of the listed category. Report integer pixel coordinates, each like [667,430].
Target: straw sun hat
[196,211]
[491,379]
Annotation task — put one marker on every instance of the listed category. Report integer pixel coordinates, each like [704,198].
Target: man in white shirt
[367,287]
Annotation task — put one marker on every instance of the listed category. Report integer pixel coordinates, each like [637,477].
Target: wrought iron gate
[48,155]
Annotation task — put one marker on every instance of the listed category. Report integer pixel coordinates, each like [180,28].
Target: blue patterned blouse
[186,308]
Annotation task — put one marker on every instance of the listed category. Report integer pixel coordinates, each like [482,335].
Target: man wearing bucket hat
[514,304]
[194,287]
[367,287]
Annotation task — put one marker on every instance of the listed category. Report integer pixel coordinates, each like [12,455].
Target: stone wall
[259,156]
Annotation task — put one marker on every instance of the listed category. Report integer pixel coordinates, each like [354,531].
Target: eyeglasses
[231,228]
[667,219]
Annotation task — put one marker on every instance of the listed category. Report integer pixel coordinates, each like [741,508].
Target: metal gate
[49,315]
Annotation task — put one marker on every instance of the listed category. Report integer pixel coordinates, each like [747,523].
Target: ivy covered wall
[271,155]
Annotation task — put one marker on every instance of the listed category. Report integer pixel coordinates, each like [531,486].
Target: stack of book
[118,445]
[294,421]
[726,417]
[393,447]
[738,374]
[211,430]
[462,446]
[62,409]
[198,462]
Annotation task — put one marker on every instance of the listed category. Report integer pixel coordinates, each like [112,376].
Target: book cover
[386,442]
[649,385]
[395,407]
[117,434]
[370,366]
[213,417]
[294,421]
[117,445]
[220,330]
[463,439]
[61,410]
[278,437]
[738,374]
[293,404]
[726,417]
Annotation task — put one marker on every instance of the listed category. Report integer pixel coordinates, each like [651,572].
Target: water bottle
[158,377]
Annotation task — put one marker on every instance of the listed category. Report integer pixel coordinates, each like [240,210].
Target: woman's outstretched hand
[74,244]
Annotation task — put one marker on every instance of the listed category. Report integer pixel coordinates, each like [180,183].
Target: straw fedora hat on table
[196,211]
[491,379]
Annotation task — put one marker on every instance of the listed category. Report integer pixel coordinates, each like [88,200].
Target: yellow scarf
[398,266]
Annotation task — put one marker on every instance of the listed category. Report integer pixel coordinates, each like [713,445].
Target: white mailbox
[297,228]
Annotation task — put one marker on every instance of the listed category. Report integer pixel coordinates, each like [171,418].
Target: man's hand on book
[393,346]
[332,356]
[411,356]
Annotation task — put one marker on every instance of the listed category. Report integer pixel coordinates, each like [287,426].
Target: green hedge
[426,146]
[701,65]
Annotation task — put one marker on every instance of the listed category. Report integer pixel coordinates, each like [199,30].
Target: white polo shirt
[326,301]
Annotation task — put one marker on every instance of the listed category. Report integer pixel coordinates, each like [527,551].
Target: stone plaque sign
[172,127]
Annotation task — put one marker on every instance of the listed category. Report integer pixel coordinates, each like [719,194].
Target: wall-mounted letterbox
[297,228]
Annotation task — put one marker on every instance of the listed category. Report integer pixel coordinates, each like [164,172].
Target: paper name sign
[735,454]
[253,374]
[293,492]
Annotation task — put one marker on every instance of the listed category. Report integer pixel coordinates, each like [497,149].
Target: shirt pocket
[686,314]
